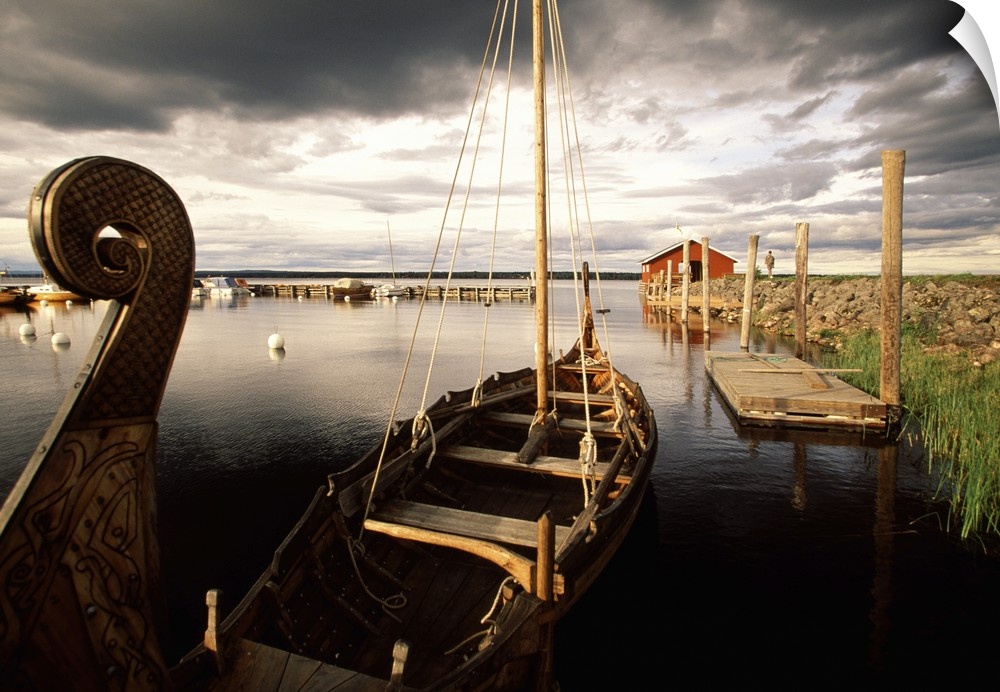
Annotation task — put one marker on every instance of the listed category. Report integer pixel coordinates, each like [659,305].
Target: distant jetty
[473,293]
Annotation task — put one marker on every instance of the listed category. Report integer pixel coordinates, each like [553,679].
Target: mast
[541,240]
[392,262]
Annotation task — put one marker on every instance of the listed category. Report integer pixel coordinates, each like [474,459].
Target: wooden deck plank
[258,667]
[786,391]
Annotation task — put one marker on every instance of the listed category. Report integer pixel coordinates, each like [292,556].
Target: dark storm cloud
[130,65]
[99,65]
[719,113]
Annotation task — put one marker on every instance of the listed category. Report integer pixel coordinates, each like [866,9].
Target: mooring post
[893,163]
[670,285]
[801,277]
[748,292]
[686,281]
[705,299]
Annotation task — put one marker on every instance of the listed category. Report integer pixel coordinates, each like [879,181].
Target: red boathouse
[719,263]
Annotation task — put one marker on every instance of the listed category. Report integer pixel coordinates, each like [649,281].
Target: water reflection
[784,555]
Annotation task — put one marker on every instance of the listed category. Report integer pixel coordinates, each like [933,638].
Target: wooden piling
[748,292]
[705,298]
[670,285]
[893,163]
[801,280]
[686,282]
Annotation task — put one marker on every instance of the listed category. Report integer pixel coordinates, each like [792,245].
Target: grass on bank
[955,409]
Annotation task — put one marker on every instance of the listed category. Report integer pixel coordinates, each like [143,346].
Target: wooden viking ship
[442,559]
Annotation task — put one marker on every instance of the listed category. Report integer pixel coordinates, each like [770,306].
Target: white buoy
[300,299]
[27,330]
[347,299]
[276,340]
[44,302]
[69,303]
[60,338]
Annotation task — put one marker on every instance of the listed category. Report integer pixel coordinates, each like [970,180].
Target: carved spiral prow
[79,556]
[73,207]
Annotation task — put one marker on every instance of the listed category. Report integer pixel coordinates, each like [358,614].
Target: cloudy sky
[296,131]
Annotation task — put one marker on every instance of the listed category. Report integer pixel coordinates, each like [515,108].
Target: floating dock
[781,391]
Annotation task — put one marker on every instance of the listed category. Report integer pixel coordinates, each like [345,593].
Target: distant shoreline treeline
[17,277]
[467,275]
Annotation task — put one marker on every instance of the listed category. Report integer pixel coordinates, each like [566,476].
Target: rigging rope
[388,604]
[568,112]
[427,281]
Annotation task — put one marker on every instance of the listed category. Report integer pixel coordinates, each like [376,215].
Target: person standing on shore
[769,263]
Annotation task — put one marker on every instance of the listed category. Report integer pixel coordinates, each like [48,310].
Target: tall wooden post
[705,301]
[748,292]
[686,282]
[893,163]
[801,282]
[670,284]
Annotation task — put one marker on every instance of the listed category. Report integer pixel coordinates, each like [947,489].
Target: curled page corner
[968,33]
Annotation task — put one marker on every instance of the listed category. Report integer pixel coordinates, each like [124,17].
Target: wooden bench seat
[577,398]
[575,424]
[577,367]
[485,535]
[556,466]
[462,522]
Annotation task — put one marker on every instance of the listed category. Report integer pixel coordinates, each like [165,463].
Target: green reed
[954,408]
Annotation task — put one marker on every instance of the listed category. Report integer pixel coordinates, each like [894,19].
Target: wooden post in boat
[213,599]
[893,163]
[748,292]
[546,557]
[544,580]
[686,282]
[541,239]
[705,298]
[801,277]
[400,652]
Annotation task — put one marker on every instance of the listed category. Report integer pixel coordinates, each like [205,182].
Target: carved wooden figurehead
[82,604]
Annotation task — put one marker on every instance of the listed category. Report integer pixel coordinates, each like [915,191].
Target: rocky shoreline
[955,314]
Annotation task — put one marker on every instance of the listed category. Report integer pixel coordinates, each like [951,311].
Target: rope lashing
[588,464]
[486,634]
[422,426]
[477,394]
[620,409]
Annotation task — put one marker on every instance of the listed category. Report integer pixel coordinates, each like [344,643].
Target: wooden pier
[462,293]
[779,391]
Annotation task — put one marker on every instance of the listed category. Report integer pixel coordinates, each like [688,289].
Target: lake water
[786,559]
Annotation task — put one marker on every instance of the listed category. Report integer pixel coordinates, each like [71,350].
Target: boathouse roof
[675,246]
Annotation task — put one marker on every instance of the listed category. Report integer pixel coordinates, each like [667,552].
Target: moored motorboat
[350,289]
[199,291]
[225,287]
[392,290]
[51,293]
[11,296]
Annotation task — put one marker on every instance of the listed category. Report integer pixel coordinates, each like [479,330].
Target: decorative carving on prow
[82,604]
